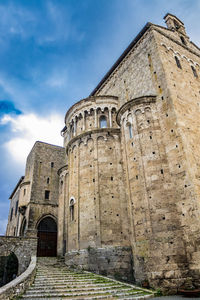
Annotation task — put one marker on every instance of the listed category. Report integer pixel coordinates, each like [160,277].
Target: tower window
[11,214]
[183,40]
[130,130]
[47,195]
[103,122]
[176,24]
[71,208]
[16,207]
[194,71]
[52,164]
[178,62]
[48,180]
[24,192]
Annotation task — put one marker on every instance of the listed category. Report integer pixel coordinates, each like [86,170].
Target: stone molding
[176,53]
[78,139]
[82,105]
[18,285]
[134,102]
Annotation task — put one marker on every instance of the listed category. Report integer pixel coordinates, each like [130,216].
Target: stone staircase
[55,281]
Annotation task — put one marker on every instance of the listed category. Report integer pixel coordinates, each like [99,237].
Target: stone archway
[8,268]
[47,237]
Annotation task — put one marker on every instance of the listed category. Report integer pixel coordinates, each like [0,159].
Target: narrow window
[11,214]
[52,164]
[103,122]
[194,71]
[24,192]
[183,40]
[16,207]
[46,195]
[48,180]
[176,24]
[71,209]
[130,131]
[178,62]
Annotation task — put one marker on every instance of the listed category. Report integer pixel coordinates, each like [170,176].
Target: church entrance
[47,237]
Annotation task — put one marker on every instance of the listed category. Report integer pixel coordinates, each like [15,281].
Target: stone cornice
[94,131]
[134,102]
[87,100]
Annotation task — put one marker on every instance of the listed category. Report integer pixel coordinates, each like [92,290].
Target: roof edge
[19,182]
[126,51]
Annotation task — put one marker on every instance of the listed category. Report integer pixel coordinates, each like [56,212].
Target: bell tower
[177,25]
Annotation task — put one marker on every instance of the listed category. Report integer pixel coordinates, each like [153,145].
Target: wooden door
[47,237]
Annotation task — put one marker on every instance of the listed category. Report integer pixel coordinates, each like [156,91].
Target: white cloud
[58,79]
[29,128]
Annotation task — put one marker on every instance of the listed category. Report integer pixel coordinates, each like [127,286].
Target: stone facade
[128,175]
[34,203]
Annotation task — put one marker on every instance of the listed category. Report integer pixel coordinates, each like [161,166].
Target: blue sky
[52,54]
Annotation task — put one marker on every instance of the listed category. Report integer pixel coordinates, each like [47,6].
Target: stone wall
[16,287]
[115,262]
[22,247]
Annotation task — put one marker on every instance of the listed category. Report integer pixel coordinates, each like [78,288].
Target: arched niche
[23,227]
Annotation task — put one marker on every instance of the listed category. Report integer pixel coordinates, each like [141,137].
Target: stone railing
[18,285]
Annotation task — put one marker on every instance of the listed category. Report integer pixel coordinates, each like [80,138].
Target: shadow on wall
[8,268]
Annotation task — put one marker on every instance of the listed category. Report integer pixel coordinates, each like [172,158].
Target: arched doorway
[47,237]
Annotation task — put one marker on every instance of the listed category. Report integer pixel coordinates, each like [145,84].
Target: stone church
[122,196]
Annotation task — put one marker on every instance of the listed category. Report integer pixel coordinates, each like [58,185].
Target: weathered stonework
[128,175]
[115,262]
[24,248]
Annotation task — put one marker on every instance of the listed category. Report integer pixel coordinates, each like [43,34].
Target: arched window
[23,227]
[183,40]
[176,24]
[103,122]
[16,207]
[178,62]
[194,71]
[130,130]
[71,208]
[11,214]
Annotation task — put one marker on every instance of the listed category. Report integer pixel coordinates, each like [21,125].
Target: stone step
[65,280]
[88,297]
[72,285]
[54,281]
[116,292]
[47,295]
[77,289]
[64,276]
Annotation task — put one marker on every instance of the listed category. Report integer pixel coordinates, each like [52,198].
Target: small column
[75,127]
[95,118]
[110,117]
[83,121]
